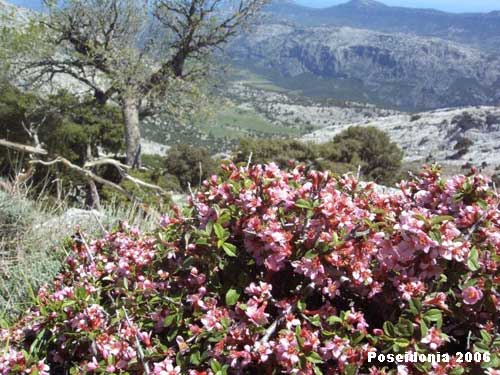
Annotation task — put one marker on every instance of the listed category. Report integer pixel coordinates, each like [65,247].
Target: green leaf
[441,219]
[357,337]
[424,330]
[486,336]
[195,358]
[229,249]
[201,241]
[433,315]
[389,329]
[208,228]
[435,235]
[232,297]
[402,343]
[315,320]
[220,232]
[494,362]
[413,308]
[314,357]
[405,327]
[473,260]
[457,371]
[350,369]
[169,320]
[302,203]
[334,319]
[481,203]
[311,254]
[215,366]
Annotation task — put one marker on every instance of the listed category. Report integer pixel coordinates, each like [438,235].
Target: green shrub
[276,272]
[369,148]
[189,165]
[33,240]
[366,148]
[279,151]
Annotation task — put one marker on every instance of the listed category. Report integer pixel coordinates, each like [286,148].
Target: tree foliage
[369,148]
[63,124]
[366,148]
[136,53]
[189,165]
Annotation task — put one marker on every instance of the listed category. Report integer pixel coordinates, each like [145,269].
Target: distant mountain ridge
[390,69]
[481,29]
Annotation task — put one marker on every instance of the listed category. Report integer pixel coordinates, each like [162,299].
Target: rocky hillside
[452,136]
[481,29]
[395,70]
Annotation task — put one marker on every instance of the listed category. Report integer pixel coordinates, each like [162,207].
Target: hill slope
[395,70]
[451,136]
[476,28]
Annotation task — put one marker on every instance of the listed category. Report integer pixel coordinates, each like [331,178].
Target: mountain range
[392,70]
[481,29]
[363,50]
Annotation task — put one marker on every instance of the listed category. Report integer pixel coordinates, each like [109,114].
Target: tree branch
[23,148]
[85,170]
[86,173]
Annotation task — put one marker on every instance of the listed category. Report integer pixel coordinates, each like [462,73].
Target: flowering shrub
[271,272]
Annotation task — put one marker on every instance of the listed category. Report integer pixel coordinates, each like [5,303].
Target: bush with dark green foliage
[66,125]
[280,151]
[369,148]
[366,148]
[189,165]
[462,147]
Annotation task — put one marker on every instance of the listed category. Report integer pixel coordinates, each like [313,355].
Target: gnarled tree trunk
[130,108]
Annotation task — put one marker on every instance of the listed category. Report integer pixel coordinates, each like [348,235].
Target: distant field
[240,122]
[222,131]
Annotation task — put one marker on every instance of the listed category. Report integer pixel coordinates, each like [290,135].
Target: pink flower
[94,365]
[255,312]
[312,268]
[439,300]
[261,291]
[166,367]
[263,349]
[472,295]
[286,351]
[433,338]
[333,349]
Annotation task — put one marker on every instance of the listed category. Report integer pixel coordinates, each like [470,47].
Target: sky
[446,5]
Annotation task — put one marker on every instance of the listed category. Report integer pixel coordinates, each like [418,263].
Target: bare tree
[136,52]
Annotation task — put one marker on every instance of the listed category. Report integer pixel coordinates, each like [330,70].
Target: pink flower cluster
[270,271]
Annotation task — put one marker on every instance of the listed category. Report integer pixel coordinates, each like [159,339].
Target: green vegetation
[246,122]
[189,165]
[62,123]
[33,236]
[366,148]
[281,152]
[221,131]
[370,149]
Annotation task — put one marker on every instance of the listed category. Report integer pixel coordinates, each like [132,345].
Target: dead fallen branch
[23,148]
[86,171]
[121,169]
